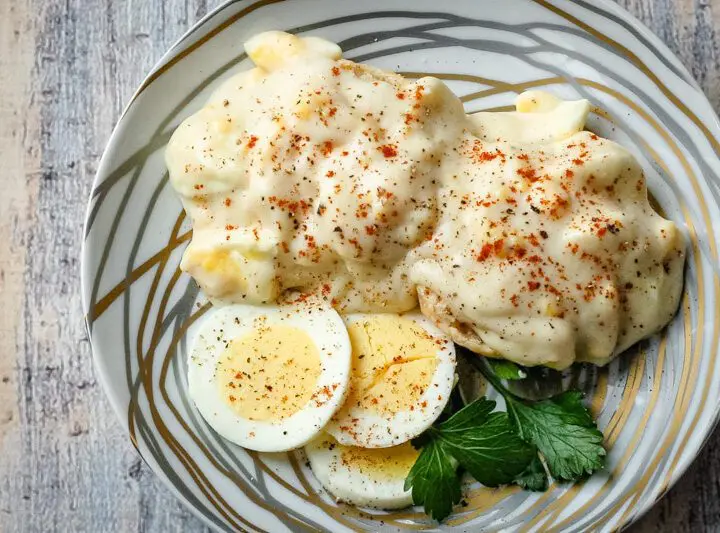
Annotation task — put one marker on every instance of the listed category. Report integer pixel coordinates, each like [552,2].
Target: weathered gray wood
[66,69]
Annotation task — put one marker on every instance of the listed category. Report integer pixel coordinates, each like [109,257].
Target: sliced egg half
[270,378]
[363,476]
[403,369]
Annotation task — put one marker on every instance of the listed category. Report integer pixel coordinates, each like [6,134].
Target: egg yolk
[223,272]
[270,373]
[382,464]
[393,361]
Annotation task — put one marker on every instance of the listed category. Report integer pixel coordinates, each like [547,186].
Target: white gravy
[524,236]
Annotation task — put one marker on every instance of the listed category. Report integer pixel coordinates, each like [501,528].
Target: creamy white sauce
[523,236]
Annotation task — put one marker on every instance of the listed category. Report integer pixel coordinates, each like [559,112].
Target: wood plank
[65,464]
[19,168]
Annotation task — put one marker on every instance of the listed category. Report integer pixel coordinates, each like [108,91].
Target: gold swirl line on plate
[258,460]
[624,460]
[716,328]
[625,52]
[689,433]
[193,470]
[513,87]
[610,513]
[102,305]
[696,356]
[497,84]
[498,109]
[612,432]
[190,49]
[481,500]
[162,261]
[677,420]
[310,497]
[706,387]
[651,406]
[626,404]
[601,388]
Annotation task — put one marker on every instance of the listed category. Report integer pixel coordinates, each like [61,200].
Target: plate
[656,404]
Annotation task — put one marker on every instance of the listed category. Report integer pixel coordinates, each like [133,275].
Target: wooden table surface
[67,68]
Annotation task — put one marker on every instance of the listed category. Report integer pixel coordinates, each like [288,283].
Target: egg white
[373,430]
[355,483]
[325,328]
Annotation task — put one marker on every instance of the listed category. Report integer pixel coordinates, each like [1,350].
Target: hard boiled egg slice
[270,378]
[363,476]
[403,369]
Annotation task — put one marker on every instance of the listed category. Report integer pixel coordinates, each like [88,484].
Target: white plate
[655,405]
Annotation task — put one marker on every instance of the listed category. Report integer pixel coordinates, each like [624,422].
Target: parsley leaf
[561,428]
[505,369]
[563,431]
[483,442]
[534,477]
[434,481]
[468,418]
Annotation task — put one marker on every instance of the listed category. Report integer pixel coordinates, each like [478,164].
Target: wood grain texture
[67,67]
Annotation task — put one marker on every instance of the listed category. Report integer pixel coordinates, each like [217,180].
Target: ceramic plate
[656,404]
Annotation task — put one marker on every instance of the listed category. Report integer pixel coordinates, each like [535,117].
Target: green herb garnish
[561,428]
[499,448]
[534,477]
[504,369]
[434,480]
[479,440]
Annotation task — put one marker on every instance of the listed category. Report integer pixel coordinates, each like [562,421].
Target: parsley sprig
[477,439]
[499,448]
[560,427]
